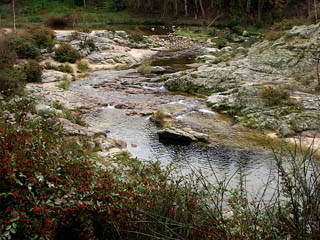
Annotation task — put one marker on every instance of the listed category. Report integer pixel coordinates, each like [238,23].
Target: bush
[8,83]
[43,37]
[144,68]
[25,48]
[159,117]
[52,188]
[65,83]
[7,54]
[274,35]
[66,53]
[221,43]
[32,71]
[88,43]
[274,96]
[58,22]
[83,65]
[61,68]
[137,36]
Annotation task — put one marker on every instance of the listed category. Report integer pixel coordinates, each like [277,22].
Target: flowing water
[127,99]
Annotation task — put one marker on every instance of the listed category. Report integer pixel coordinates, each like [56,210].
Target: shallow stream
[127,100]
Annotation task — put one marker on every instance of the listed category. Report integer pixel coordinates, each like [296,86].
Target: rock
[158,69]
[226,49]
[175,136]
[245,33]
[206,57]
[75,129]
[212,50]
[236,85]
[53,76]
[63,36]
[121,34]
[119,143]
[42,108]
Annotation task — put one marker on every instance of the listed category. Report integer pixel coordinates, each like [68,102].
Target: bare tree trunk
[176,7]
[84,4]
[202,9]
[260,6]
[186,7]
[309,7]
[214,20]
[318,76]
[248,6]
[196,13]
[14,16]
[315,11]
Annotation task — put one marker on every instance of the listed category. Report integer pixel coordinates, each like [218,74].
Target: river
[129,98]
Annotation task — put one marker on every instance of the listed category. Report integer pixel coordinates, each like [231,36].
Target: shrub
[88,43]
[65,83]
[137,36]
[8,83]
[43,37]
[221,43]
[159,116]
[144,68]
[25,48]
[61,68]
[32,71]
[83,65]
[7,55]
[274,96]
[66,53]
[273,35]
[50,188]
[58,22]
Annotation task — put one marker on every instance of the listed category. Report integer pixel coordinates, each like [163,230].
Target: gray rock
[42,108]
[53,76]
[158,69]
[175,136]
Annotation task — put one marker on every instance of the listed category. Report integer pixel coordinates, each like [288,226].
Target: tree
[14,16]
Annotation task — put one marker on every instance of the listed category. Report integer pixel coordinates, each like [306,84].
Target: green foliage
[65,83]
[66,53]
[43,37]
[61,68]
[220,43]
[25,48]
[144,68]
[32,71]
[88,43]
[8,83]
[159,117]
[59,22]
[7,54]
[274,96]
[51,187]
[83,65]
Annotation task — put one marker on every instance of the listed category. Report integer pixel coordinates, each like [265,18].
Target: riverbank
[64,172]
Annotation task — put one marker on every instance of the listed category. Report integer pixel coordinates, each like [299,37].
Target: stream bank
[117,106]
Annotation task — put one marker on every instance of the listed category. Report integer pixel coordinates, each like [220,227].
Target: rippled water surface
[124,92]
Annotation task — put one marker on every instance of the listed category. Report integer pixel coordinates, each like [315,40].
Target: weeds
[83,65]
[144,68]
[65,83]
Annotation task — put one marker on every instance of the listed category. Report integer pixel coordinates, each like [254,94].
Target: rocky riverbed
[119,108]
[272,86]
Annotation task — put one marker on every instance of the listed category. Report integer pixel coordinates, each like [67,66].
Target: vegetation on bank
[98,14]
[52,188]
